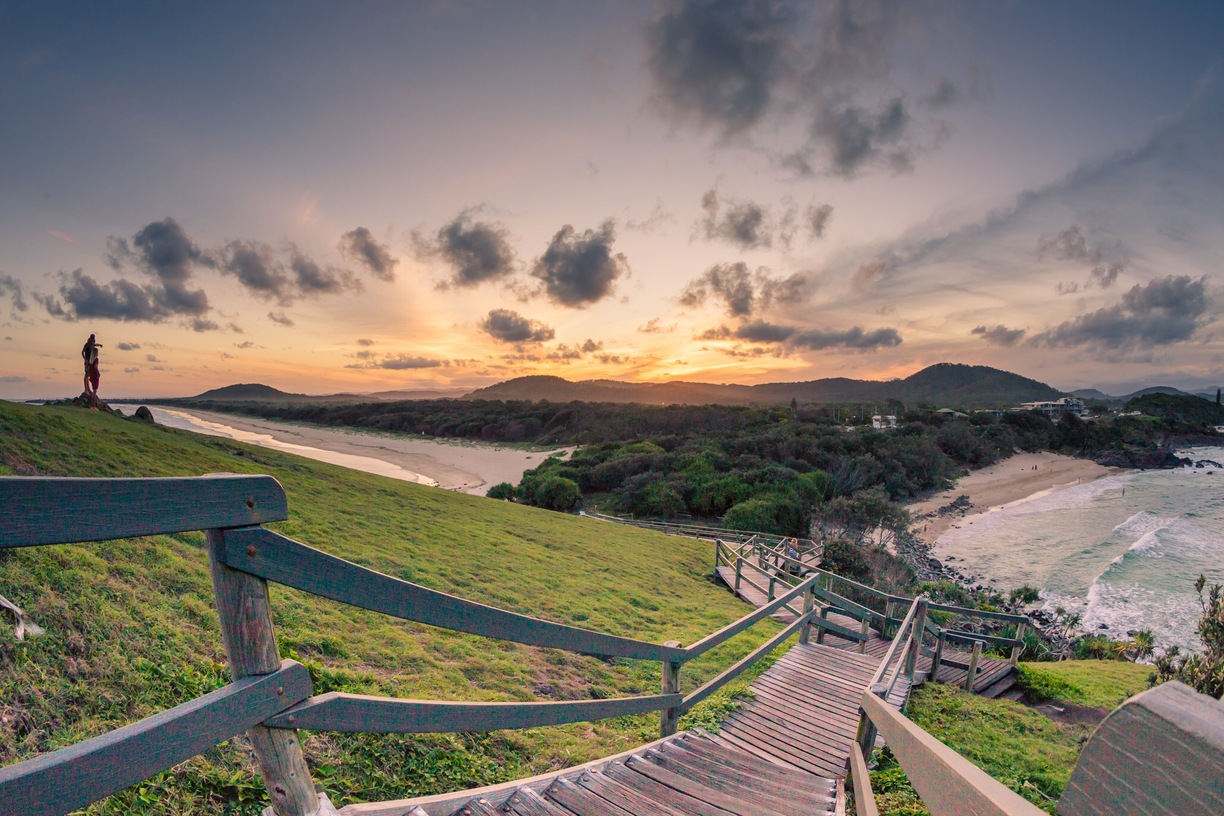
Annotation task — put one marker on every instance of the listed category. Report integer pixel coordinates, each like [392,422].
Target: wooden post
[772,580]
[939,644]
[246,630]
[739,570]
[1018,649]
[866,735]
[887,627]
[809,601]
[973,661]
[717,552]
[824,615]
[669,717]
[916,632]
[865,629]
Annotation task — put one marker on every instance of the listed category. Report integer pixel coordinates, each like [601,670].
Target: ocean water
[1124,551]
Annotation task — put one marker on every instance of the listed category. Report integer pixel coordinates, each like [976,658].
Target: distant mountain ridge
[949,384]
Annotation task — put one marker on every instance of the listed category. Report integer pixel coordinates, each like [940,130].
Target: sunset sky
[372,196]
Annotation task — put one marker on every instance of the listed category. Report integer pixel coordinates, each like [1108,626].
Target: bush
[501,490]
[558,493]
[1202,672]
[778,516]
[658,499]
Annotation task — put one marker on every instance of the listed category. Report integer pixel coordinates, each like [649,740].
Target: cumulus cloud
[1071,244]
[741,291]
[256,267]
[406,362]
[127,346]
[281,318]
[201,324]
[511,327]
[360,246]
[817,219]
[314,279]
[85,298]
[1163,311]
[999,335]
[749,225]
[783,337]
[476,251]
[564,353]
[364,341]
[12,287]
[164,250]
[738,67]
[578,269]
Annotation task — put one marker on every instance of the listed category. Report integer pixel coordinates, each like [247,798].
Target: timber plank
[45,510]
[526,802]
[701,791]
[760,743]
[790,733]
[735,783]
[729,740]
[608,788]
[664,794]
[477,807]
[762,772]
[581,801]
[710,743]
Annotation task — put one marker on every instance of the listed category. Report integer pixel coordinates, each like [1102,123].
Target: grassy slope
[131,628]
[1027,751]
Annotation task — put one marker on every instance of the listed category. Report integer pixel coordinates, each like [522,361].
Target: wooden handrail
[358,713]
[860,780]
[40,510]
[744,663]
[971,637]
[948,784]
[70,778]
[979,613]
[275,557]
[732,629]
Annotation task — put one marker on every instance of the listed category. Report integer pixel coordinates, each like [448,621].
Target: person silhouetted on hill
[89,353]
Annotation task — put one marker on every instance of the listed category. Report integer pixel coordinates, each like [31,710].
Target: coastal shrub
[1203,672]
[773,515]
[558,493]
[501,490]
[658,499]
[1024,594]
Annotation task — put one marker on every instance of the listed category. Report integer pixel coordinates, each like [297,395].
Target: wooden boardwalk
[685,775]
[994,675]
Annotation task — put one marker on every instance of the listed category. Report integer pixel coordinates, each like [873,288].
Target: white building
[1056,408]
[884,423]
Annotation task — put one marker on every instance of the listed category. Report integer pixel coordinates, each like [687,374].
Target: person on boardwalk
[89,353]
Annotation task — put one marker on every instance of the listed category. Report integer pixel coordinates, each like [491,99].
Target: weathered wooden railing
[269,698]
[805,546]
[838,593]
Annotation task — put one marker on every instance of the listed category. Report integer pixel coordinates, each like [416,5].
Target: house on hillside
[886,422]
[1056,409]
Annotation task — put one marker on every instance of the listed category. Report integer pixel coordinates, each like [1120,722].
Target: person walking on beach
[89,353]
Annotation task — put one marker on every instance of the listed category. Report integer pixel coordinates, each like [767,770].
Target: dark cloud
[738,66]
[578,269]
[405,362]
[565,353]
[999,335]
[245,344]
[364,341]
[12,287]
[152,358]
[1072,245]
[476,251]
[718,63]
[744,223]
[86,298]
[512,327]
[791,337]
[817,219]
[131,370]
[164,250]
[854,338]
[127,346]
[201,324]
[13,378]
[281,318]
[743,293]
[314,279]
[1163,311]
[256,267]
[360,246]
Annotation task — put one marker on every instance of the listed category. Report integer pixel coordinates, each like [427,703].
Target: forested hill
[943,384]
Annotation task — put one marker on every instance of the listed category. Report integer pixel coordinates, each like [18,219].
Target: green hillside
[131,628]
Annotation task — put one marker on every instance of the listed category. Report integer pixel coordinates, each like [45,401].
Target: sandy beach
[470,467]
[1023,476]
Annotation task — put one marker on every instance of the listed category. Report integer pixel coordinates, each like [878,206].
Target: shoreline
[460,465]
[1015,480]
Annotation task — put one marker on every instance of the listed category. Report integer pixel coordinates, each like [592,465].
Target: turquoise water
[1124,551]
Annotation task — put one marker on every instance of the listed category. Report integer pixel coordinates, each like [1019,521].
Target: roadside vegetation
[131,629]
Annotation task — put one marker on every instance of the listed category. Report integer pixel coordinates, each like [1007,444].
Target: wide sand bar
[1023,476]
[470,467]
